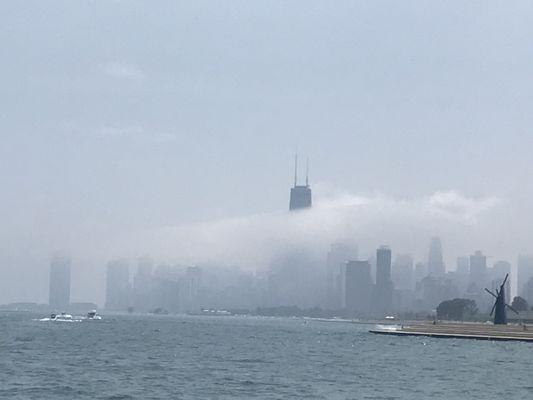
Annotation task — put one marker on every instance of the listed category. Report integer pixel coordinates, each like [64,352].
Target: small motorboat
[61,317]
[93,315]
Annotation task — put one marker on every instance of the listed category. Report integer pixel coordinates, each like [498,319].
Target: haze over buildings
[59,283]
[130,129]
[338,283]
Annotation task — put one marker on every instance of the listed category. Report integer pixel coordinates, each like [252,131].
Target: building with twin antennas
[300,194]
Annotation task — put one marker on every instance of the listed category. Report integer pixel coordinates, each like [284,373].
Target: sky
[169,128]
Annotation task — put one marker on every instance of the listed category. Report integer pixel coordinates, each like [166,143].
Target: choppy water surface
[144,357]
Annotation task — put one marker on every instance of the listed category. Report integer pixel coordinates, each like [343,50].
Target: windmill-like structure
[499,309]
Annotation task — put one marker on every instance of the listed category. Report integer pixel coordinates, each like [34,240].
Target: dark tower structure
[300,194]
[500,306]
[384,287]
[358,287]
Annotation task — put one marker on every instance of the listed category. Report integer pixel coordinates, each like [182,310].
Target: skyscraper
[403,272]
[384,287]
[142,285]
[462,271]
[190,290]
[300,194]
[478,269]
[527,292]
[295,278]
[525,272]
[462,266]
[435,263]
[336,260]
[358,287]
[59,293]
[118,286]
[499,270]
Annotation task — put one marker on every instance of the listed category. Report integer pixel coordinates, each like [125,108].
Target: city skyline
[434,263]
[371,288]
[363,288]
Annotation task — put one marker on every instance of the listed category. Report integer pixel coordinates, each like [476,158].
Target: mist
[252,243]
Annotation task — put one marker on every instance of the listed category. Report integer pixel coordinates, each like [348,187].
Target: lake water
[171,357]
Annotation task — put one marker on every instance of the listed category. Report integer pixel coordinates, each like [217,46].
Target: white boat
[62,317]
[93,315]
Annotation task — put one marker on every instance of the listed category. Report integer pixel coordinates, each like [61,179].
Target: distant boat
[207,311]
[61,317]
[93,315]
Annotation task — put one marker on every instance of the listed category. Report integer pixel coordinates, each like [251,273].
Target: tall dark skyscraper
[59,294]
[435,262]
[384,286]
[358,287]
[300,194]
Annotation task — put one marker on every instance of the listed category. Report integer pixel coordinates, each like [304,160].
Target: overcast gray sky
[133,115]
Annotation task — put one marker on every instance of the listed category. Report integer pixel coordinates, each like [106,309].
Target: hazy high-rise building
[190,290]
[403,272]
[336,260]
[527,292]
[525,272]
[384,286]
[59,289]
[433,290]
[296,278]
[118,286]
[420,271]
[498,272]
[462,266]
[500,269]
[166,290]
[460,277]
[478,269]
[435,262]
[142,285]
[358,287]
[143,274]
[300,194]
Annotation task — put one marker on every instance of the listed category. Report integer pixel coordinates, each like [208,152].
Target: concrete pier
[477,331]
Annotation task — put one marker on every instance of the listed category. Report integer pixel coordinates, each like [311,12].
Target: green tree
[457,309]
[519,304]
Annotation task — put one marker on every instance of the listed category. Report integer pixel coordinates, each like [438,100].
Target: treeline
[457,310]
[466,309]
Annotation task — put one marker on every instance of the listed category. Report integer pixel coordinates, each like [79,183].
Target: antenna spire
[307,172]
[295,169]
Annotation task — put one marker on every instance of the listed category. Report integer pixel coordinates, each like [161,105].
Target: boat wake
[388,327]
